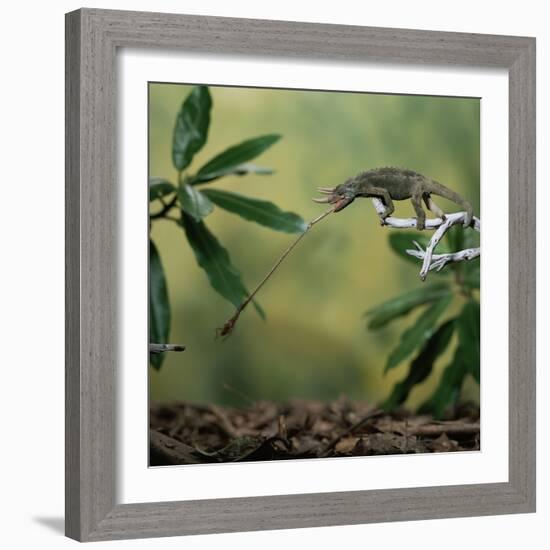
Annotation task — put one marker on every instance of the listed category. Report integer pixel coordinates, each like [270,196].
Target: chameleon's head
[341,196]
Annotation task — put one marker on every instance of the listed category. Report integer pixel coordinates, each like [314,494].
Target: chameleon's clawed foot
[420,224]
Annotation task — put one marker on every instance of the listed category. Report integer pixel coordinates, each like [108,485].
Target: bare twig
[430,428]
[359,424]
[281,428]
[439,261]
[440,227]
[165,209]
[457,428]
[229,325]
[160,348]
[167,450]
[224,422]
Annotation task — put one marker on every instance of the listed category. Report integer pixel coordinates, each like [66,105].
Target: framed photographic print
[242,357]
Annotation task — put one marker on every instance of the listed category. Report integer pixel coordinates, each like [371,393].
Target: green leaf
[448,390]
[159,307]
[469,337]
[215,261]
[191,128]
[401,305]
[194,203]
[471,238]
[419,333]
[159,187]
[422,365]
[455,238]
[259,309]
[240,170]
[262,212]
[471,273]
[465,360]
[231,159]
[459,239]
[402,241]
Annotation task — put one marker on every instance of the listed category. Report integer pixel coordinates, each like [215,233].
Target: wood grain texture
[92,37]
[522,274]
[91,260]
[72,277]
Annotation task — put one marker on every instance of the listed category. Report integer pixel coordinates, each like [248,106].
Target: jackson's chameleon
[389,184]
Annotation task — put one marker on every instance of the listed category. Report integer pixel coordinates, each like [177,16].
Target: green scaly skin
[396,184]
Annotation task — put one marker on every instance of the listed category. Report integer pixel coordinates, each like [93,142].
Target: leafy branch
[426,340]
[192,206]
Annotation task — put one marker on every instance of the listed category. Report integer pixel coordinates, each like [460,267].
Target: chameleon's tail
[438,189]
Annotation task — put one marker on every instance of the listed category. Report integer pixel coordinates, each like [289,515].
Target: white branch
[160,348]
[439,261]
[430,260]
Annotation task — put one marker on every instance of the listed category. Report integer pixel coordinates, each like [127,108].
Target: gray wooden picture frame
[92,39]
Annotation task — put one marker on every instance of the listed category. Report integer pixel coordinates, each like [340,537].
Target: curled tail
[440,190]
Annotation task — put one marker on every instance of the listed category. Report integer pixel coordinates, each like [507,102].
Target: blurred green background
[314,342]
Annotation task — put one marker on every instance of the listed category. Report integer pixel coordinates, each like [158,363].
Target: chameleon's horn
[326,190]
[322,200]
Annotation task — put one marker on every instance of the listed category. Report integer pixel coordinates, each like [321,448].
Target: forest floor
[185,433]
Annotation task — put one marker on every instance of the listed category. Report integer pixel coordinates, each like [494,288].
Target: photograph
[314,274]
